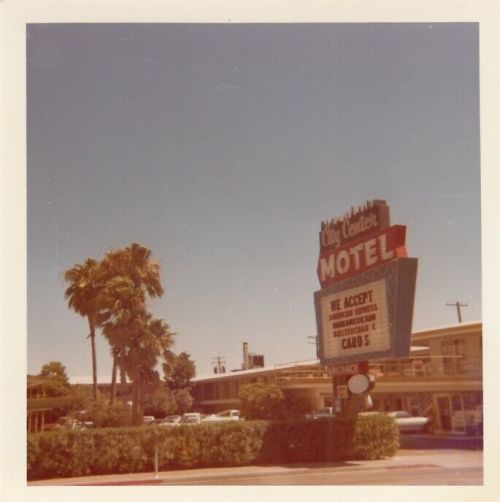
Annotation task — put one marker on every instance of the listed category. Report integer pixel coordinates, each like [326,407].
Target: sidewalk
[429,441]
[404,459]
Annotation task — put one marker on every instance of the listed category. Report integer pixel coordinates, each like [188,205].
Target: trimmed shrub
[329,440]
[376,436]
[67,453]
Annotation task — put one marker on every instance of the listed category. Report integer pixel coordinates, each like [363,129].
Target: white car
[191,418]
[327,412]
[406,422]
[171,420]
[224,416]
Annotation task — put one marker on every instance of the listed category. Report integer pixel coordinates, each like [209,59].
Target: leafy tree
[160,404]
[84,295]
[183,400]
[178,371]
[165,402]
[51,382]
[55,372]
[104,414]
[261,401]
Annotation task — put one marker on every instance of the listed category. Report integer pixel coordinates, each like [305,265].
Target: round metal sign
[359,383]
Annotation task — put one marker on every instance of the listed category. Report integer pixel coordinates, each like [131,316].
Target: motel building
[441,379]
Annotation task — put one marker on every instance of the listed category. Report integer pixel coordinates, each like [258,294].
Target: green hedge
[376,436]
[67,453]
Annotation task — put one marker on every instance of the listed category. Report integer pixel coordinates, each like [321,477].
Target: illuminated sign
[364,309]
[359,256]
[358,223]
[348,369]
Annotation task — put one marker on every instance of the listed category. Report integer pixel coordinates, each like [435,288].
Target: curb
[172,478]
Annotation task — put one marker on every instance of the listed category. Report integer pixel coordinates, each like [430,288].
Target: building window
[454,352]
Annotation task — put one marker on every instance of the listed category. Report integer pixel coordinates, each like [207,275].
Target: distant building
[41,403]
[442,378]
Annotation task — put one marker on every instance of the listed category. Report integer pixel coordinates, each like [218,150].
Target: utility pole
[458,305]
[315,342]
[218,363]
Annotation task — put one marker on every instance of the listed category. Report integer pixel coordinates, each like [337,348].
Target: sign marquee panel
[367,316]
[355,320]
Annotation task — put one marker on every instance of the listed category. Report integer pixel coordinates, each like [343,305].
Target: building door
[451,413]
[444,412]
[457,414]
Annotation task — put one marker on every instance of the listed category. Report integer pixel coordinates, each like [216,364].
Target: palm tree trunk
[135,402]
[94,357]
[140,408]
[123,375]
[113,379]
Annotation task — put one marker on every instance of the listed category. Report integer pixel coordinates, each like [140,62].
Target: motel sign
[364,308]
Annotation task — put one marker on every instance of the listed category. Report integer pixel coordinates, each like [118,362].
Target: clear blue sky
[223,147]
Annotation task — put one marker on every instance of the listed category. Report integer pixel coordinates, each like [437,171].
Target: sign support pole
[334,396]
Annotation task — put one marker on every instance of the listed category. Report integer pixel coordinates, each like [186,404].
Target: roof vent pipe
[246,358]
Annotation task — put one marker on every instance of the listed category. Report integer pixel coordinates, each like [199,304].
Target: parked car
[170,420]
[191,418]
[67,423]
[327,412]
[173,419]
[406,422]
[148,419]
[224,416]
[70,423]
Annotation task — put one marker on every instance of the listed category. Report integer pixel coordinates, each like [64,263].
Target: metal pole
[156,462]
[334,394]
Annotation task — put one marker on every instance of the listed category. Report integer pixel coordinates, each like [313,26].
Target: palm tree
[135,263]
[131,275]
[125,305]
[84,295]
[151,340]
[139,341]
